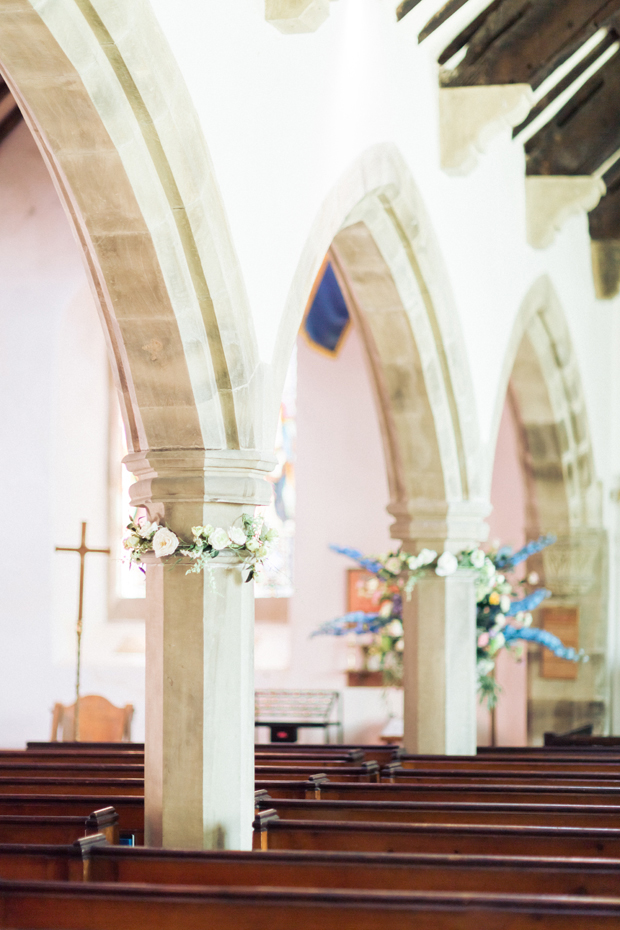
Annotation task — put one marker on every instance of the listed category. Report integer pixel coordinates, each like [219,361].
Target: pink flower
[483,640]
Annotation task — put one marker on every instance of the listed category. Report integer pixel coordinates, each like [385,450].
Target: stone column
[440,631]
[199,758]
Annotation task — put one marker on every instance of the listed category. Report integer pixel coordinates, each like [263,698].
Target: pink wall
[342,496]
[507,525]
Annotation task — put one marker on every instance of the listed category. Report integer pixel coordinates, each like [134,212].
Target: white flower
[477,558]
[395,628]
[218,538]
[146,529]
[386,609]
[393,565]
[262,552]
[400,645]
[447,564]
[527,619]
[500,621]
[500,579]
[426,556]
[270,535]
[504,603]
[237,536]
[131,541]
[533,578]
[197,531]
[413,562]
[164,542]
[252,545]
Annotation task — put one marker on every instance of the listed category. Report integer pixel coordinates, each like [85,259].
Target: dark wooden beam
[524,41]
[463,37]
[604,220]
[440,17]
[405,7]
[584,133]
[566,81]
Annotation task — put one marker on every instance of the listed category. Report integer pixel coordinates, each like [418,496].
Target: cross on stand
[83,551]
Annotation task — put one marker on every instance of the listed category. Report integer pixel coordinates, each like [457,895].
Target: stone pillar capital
[173,478]
[439,525]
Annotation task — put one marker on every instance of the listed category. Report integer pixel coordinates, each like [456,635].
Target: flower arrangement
[251,542]
[503,607]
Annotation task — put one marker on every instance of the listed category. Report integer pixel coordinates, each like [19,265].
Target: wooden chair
[100,721]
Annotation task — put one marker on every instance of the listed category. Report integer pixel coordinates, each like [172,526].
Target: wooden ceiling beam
[524,41]
[580,138]
[440,17]
[406,7]
[605,218]
[566,81]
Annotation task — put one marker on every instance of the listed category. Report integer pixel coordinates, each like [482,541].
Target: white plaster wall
[342,494]
[53,467]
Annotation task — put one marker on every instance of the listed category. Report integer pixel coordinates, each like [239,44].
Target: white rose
[500,621]
[393,565]
[131,541]
[447,564]
[164,542]
[237,536]
[145,529]
[426,556]
[262,552]
[395,628]
[533,578]
[413,562]
[252,545]
[197,531]
[504,603]
[219,539]
[385,610]
[477,558]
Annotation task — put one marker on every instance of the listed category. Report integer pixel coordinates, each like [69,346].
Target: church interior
[314,428]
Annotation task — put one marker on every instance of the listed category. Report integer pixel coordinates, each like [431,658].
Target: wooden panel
[563,622]
[518,41]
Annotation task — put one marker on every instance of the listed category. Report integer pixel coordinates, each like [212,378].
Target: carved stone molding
[551,200]
[290,16]
[470,117]
[606,267]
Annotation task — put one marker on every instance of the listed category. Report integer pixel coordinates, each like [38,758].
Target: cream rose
[477,558]
[219,539]
[393,565]
[447,564]
[130,541]
[252,545]
[426,556]
[164,542]
[237,536]
[145,529]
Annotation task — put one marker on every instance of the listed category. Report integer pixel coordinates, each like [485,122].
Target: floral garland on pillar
[251,543]
[503,608]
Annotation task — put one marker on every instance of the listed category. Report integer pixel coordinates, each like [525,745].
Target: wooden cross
[82,551]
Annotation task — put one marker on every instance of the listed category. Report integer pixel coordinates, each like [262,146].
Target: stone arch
[541,378]
[385,255]
[541,381]
[138,189]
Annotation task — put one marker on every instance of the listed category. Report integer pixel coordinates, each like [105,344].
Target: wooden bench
[607,767]
[367,771]
[467,839]
[447,812]
[397,775]
[327,790]
[91,786]
[129,810]
[58,829]
[92,859]
[62,905]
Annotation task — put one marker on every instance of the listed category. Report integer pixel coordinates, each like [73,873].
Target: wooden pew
[397,775]
[92,859]
[367,771]
[466,839]
[446,812]
[62,905]
[92,786]
[327,790]
[130,810]
[82,745]
[544,765]
[57,829]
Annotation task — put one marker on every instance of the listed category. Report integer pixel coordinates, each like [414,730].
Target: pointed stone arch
[542,383]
